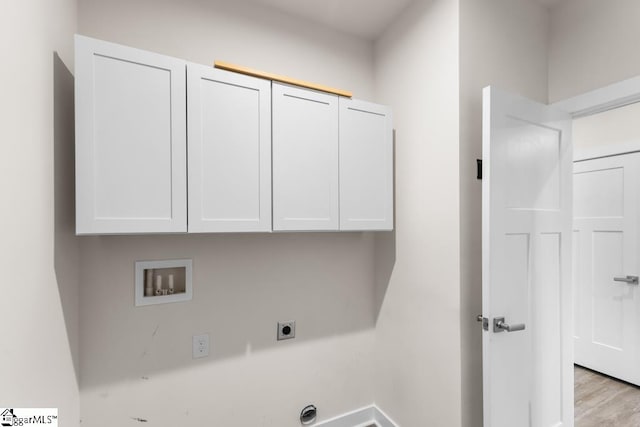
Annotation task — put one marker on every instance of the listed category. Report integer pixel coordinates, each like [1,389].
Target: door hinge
[484,320]
[479,167]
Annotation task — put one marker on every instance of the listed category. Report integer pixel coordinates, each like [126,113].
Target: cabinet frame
[121,98]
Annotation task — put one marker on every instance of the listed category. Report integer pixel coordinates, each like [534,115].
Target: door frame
[618,149]
[606,98]
[603,99]
[596,101]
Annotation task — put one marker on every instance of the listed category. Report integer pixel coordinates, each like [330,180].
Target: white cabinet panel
[229,136]
[305,159]
[130,140]
[366,166]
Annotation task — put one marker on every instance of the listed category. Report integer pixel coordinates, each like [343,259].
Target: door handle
[632,280]
[499,326]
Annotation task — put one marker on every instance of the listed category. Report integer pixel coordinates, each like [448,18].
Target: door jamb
[599,152]
[603,99]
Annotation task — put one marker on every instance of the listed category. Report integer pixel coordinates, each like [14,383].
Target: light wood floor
[601,401]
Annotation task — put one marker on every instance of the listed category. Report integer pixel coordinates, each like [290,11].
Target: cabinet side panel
[366,167]
[85,205]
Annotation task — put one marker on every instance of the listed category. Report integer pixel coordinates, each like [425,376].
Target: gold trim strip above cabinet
[284,79]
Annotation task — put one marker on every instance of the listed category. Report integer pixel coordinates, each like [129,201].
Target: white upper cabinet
[253,156]
[229,134]
[305,159]
[366,166]
[130,140]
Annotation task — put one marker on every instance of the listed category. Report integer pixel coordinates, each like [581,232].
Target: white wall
[502,43]
[136,362]
[617,126]
[239,32]
[417,354]
[39,303]
[593,43]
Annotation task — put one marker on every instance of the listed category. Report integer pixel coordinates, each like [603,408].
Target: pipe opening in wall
[308,415]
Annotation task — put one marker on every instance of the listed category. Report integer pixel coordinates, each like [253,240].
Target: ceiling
[364,18]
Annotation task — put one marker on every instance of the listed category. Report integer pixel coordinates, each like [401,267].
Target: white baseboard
[381,419]
[363,417]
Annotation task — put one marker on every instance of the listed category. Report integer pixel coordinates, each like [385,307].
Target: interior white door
[526,256]
[131,140]
[229,151]
[606,192]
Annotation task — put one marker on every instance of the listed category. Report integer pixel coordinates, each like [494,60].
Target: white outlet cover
[200,346]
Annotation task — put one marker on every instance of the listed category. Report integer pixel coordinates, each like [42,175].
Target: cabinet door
[305,159]
[229,151]
[366,166]
[130,140]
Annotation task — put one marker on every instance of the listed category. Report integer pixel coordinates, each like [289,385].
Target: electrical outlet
[200,346]
[286,330]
